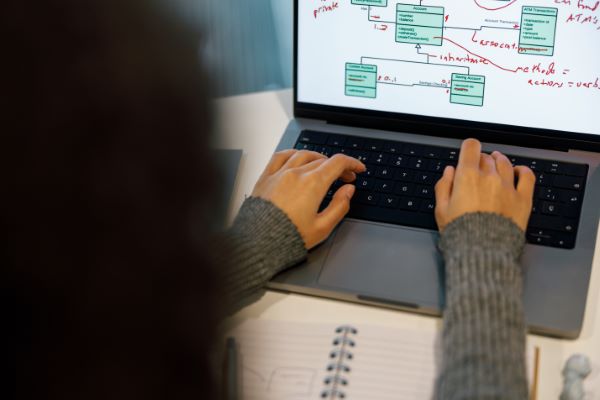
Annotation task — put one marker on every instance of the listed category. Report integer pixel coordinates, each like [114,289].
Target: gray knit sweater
[484,329]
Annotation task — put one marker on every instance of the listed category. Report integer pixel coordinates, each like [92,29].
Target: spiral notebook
[293,361]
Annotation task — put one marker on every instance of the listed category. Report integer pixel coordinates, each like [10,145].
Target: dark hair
[106,128]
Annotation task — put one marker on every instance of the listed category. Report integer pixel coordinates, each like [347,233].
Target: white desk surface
[255,124]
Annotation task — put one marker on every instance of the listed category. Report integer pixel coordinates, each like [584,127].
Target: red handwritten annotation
[326,8]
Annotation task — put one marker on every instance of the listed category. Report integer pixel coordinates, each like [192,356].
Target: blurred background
[249,43]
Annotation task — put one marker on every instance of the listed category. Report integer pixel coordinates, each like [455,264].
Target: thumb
[443,190]
[337,209]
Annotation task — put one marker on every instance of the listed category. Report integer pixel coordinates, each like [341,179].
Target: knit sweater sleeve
[262,242]
[484,329]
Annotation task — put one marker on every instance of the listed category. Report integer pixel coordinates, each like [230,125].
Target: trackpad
[396,264]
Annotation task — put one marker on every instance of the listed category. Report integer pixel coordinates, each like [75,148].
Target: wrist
[483,231]
[270,232]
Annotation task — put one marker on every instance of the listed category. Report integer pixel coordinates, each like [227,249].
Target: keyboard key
[413,150]
[312,137]
[361,156]
[409,203]
[554,167]
[426,178]
[384,186]
[543,178]
[380,159]
[562,240]
[551,238]
[354,142]
[437,166]
[541,240]
[570,211]
[367,198]
[428,206]
[546,193]
[424,191]
[392,147]
[570,197]
[374,145]
[389,201]
[304,146]
[336,140]
[370,172]
[550,208]
[385,172]
[568,182]
[326,151]
[364,183]
[535,165]
[576,169]
[417,163]
[432,152]
[397,161]
[449,154]
[404,175]
[553,223]
[404,189]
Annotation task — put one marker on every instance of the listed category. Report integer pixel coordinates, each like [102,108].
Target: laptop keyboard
[398,186]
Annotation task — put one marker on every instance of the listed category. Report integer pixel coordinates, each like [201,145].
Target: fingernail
[350,192]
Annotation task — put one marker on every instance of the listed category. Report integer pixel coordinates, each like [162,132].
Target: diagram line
[481,28]
[414,84]
[376,20]
[477,55]
[415,62]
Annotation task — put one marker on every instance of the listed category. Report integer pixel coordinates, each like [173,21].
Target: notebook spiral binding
[341,355]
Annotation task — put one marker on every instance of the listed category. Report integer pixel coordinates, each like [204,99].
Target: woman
[115,277]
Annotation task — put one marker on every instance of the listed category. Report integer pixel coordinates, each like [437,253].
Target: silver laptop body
[400,267]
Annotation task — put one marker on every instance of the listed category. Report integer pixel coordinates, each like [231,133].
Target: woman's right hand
[484,183]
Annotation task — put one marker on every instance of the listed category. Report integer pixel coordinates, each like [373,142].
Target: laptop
[399,85]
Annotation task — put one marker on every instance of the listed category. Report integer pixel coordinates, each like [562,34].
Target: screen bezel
[437,126]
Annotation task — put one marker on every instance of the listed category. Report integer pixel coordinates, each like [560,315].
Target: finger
[443,191]
[337,166]
[337,209]
[470,153]
[347,176]
[487,164]
[277,161]
[302,157]
[504,167]
[526,181]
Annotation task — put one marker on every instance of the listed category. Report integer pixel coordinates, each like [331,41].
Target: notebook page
[282,360]
[393,364]
[399,364]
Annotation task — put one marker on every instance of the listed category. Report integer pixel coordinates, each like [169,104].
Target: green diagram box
[419,24]
[361,92]
[376,3]
[538,30]
[361,80]
[467,89]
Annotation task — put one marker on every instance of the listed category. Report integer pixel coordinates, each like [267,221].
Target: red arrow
[516,26]
[375,17]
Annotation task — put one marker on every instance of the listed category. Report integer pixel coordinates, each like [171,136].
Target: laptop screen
[533,63]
